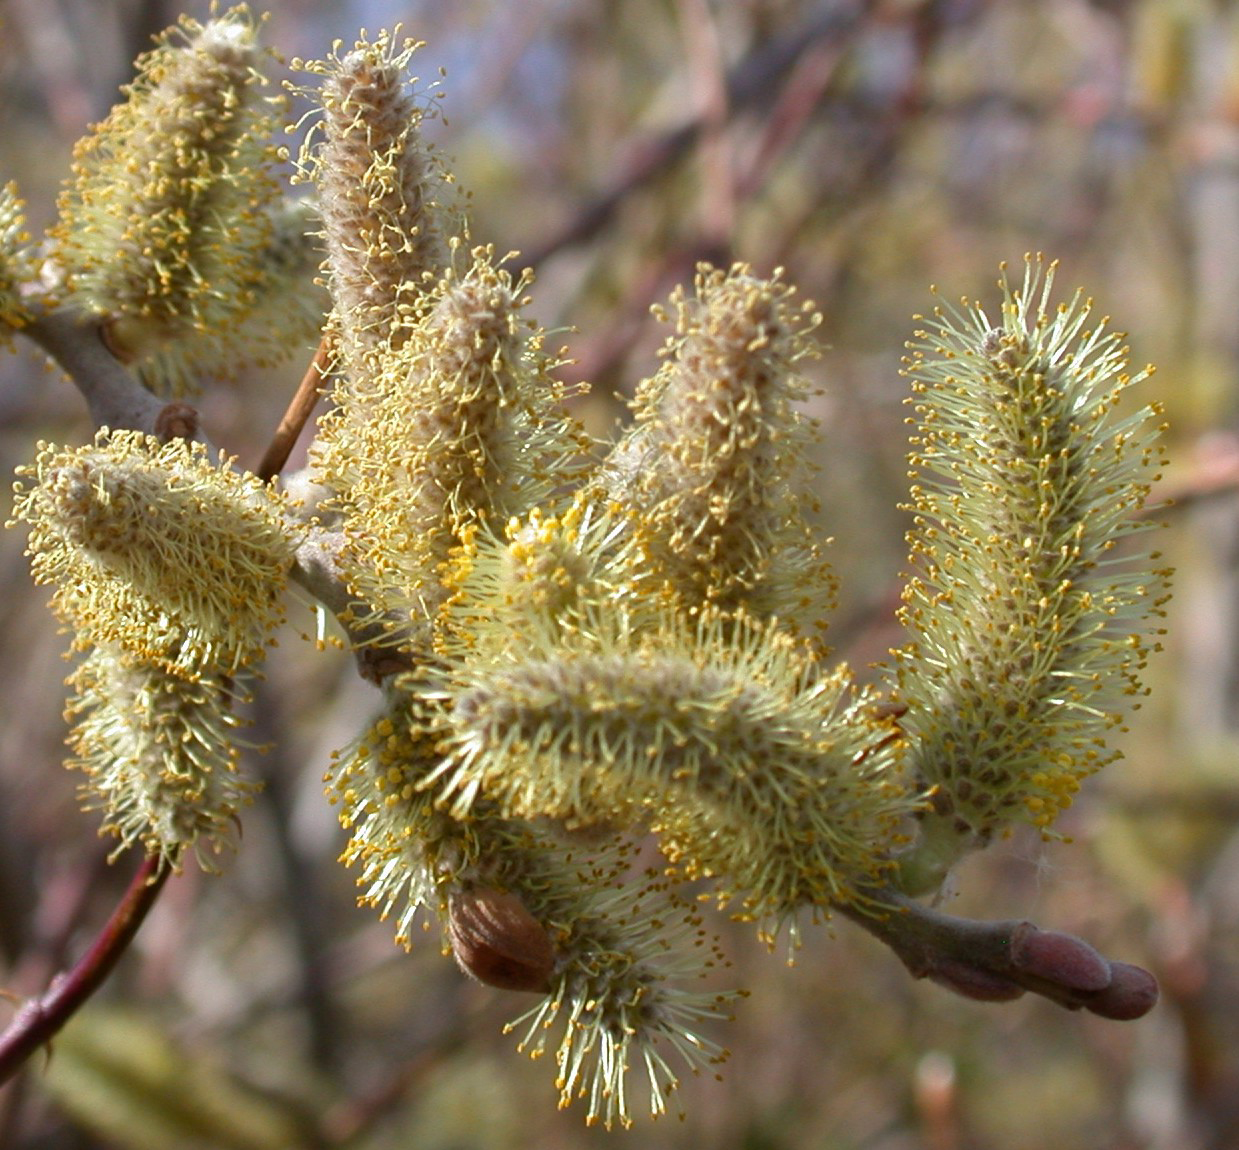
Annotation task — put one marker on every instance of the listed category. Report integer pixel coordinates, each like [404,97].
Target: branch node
[176,421]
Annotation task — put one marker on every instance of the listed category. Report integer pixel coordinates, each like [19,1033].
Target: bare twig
[754,81]
[1214,473]
[704,52]
[63,898]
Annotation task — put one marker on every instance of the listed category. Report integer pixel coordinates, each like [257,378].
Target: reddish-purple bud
[973,981]
[1132,993]
[1059,958]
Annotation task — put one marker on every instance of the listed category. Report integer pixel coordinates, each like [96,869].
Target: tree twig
[298,412]
[750,83]
[63,898]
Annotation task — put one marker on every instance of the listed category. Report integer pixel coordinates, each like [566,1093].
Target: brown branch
[41,1018]
[298,412]
[792,113]
[705,65]
[999,961]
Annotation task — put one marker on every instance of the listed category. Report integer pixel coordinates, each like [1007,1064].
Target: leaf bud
[974,982]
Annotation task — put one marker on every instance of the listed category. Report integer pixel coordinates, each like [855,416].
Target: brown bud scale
[498,942]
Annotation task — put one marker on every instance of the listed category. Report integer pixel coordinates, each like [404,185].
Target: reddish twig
[998,961]
[41,1018]
[298,412]
[1214,472]
[63,898]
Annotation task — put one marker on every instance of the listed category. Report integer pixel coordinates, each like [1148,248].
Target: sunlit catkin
[1027,615]
[612,953]
[160,754]
[284,318]
[463,430]
[754,767]
[157,548]
[163,226]
[380,188]
[713,467]
[17,263]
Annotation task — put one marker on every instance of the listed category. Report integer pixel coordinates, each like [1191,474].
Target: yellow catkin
[163,229]
[713,467]
[160,754]
[1023,642]
[157,548]
[17,261]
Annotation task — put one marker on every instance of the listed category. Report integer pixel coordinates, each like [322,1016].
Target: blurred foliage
[871,148]
[121,1075]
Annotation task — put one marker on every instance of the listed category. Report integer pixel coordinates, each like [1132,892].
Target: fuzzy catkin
[752,767]
[160,754]
[157,548]
[380,189]
[463,431]
[1026,623]
[625,952]
[17,263]
[162,228]
[283,319]
[713,467]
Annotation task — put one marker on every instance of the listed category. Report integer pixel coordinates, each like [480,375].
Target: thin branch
[299,409]
[792,112]
[302,890]
[1214,473]
[704,53]
[63,898]
[41,1018]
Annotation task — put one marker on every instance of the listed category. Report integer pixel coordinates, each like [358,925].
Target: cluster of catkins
[575,645]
